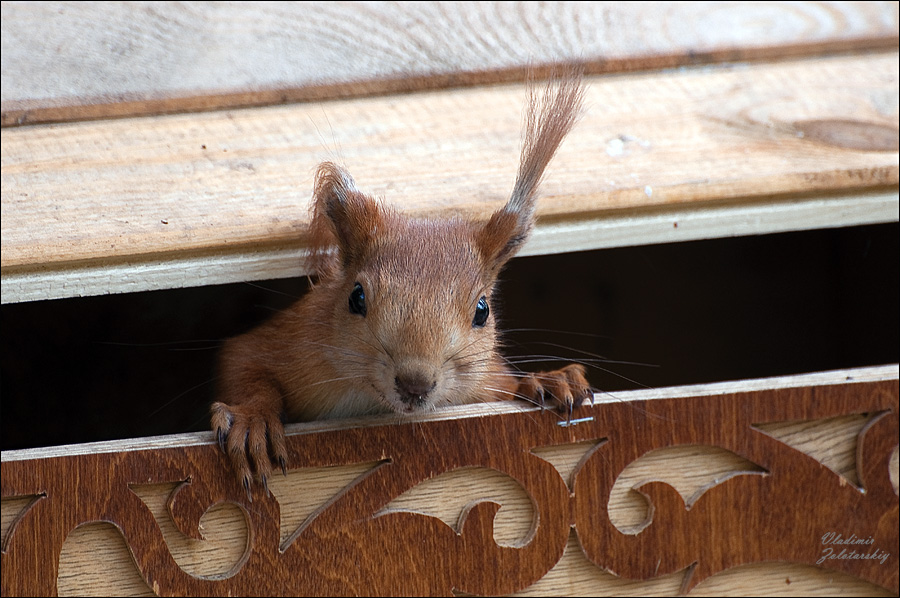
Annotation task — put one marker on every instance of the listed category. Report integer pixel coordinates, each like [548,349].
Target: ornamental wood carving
[792,509]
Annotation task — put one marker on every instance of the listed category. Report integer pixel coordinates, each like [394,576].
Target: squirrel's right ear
[342,214]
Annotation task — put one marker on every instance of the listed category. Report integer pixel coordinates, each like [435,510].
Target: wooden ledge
[852,376]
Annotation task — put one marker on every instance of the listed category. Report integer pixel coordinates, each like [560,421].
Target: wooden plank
[833,436]
[96,60]
[126,204]
[585,233]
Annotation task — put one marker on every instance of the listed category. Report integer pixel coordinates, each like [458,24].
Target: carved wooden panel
[782,505]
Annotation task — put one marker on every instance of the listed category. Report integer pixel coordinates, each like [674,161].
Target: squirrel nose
[413,388]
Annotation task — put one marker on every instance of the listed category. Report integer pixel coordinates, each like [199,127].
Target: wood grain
[97,60]
[573,575]
[133,201]
[834,420]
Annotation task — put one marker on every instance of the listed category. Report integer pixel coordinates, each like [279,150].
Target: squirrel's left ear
[548,120]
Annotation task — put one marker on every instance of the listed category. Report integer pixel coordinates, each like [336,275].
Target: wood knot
[850,134]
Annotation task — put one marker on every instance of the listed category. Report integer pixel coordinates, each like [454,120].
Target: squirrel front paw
[568,388]
[252,441]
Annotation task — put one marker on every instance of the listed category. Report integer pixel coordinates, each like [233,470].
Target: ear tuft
[343,216]
[548,119]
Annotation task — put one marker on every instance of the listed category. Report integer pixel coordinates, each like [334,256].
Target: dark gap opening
[124,366]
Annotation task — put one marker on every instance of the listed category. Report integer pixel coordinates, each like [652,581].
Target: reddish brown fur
[416,345]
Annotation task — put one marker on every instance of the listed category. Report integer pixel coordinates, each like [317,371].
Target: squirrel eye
[358,300]
[481,313]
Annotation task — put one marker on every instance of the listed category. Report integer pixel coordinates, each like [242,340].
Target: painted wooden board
[761,487]
[183,200]
[95,60]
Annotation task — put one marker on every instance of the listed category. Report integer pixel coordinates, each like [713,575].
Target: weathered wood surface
[744,482]
[95,60]
[183,200]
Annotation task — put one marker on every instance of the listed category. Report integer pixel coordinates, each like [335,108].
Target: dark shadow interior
[121,366]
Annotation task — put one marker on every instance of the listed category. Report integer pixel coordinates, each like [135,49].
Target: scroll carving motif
[794,509]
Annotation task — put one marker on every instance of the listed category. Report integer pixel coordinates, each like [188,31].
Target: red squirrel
[399,319]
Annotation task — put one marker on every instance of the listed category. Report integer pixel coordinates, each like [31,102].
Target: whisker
[542,376]
[552,331]
[178,396]
[338,379]
[216,343]
[342,350]
[590,363]
[595,355]
[380,344]
[525,398]
[537,358]
[489,351]
[273,291]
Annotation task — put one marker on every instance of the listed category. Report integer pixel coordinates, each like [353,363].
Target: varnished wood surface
[157,202]
[72,60]
[815,443]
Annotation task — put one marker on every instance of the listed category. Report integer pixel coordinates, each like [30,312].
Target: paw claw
[252,441]
[246,483]
[568,387]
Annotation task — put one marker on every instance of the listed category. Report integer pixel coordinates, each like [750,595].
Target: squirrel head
[410,300]
[412,297]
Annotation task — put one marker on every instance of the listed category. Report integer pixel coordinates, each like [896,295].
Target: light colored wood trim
[182,200]
[578,234]
[736,219]
[98,60]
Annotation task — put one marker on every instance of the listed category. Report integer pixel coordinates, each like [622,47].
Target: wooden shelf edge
[844,376]
[588,232]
